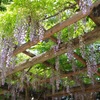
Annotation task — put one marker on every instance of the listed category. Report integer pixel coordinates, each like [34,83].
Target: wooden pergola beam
[73,90]
[53,39]
[55,29]
[28,53]
[32,55]
[88,38]
[75,55]
[80,59]
[94,18]
[51,66]
[48,64]
[68,74]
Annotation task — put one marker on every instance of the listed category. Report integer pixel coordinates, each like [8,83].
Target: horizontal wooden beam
[74,54]
[80,59]
[94,18]
[88,38]
[28,53]
[88,89]
[53,39]
[67,74]
[95,15]
[55,29]
[48,64]
[32,55]
[51,66]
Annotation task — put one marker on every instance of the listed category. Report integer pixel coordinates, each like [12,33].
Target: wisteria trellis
[6,57]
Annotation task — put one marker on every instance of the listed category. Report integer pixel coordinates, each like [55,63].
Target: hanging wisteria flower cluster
[35,82]
[57,63]
[56,48]
[89,56]
[82,46]
[41,32]
[88,53]
[57,66]
[85,5]
[70,54]
[7,61]
[25,77]
[33,30]
[52,81]
[91,61]
[20,32]
[36,31]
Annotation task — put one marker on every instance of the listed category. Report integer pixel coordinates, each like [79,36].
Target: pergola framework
[58,27]
[88,89]
[90,37]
